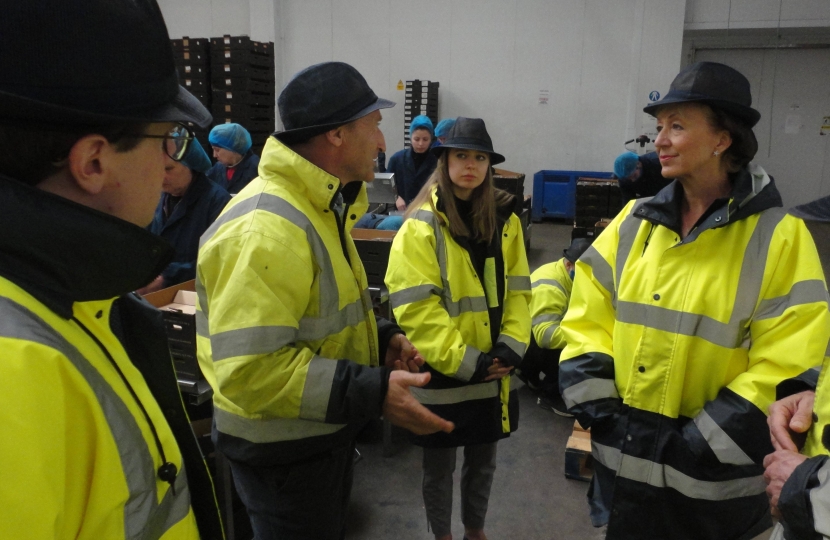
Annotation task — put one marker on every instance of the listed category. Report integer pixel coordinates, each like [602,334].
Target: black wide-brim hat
[576,249]
[470,134]
[108,61]
[716,85]
[322,97]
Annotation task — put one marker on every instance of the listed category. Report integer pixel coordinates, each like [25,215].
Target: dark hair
[31,152]
[744,144]
[486,198]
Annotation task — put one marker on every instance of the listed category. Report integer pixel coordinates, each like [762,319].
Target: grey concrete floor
[531,498]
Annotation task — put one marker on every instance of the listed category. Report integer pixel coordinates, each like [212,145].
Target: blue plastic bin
[554,193]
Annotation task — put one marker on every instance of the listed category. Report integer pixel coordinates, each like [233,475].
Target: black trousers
[537,361]
[300,501]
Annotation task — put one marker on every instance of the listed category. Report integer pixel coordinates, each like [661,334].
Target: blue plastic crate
[554,193]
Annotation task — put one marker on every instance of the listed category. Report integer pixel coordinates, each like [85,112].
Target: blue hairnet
[444,127]
[421,122]
[195,157]
[625,164]
[231,137]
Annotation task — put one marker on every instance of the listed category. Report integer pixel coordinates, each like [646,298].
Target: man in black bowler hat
[286,334]
[94,440]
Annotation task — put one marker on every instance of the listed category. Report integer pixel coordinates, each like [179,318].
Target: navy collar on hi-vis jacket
[62,252]
[752,191]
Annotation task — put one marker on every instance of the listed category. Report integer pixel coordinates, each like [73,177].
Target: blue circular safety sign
[654,95]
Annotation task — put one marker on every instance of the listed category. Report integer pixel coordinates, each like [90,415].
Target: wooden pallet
[578,460]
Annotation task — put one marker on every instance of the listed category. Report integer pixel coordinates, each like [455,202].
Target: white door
[791,89]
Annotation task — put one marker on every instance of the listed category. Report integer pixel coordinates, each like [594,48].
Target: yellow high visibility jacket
[89,404]
[674,349]
[443,306]
[551,286]
[285,327]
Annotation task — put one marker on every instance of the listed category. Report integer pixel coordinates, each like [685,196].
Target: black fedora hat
[470,134]
[90,62]
[576,249]
[322,97]
[716,85]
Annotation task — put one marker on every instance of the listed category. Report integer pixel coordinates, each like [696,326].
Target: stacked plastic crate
[596,199]
[242,76]
[421,98]
[192,59]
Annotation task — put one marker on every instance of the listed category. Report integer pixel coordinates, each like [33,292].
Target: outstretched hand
[402,409]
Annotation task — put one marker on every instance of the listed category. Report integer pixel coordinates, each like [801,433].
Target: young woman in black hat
[686,313]
[460,288]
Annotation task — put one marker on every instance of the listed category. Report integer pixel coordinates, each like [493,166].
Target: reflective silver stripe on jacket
[730,334]
[820,500]
[468,363]
[664,476]
[447,396]
[266,430]
[317,388]
[514,344]
[590,390]
[602,271]
[550,282]
[262,340]
[802,292]
[518,283]
[547,336]
[463,305]
[144,518]
[726,450]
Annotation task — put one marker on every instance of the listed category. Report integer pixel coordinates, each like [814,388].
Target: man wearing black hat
[551,291]
[286,333]
[94,440]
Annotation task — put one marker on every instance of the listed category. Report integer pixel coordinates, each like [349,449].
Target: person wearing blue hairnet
[189,205]
[639,176]
[236,164]
[413,166]
[441,130]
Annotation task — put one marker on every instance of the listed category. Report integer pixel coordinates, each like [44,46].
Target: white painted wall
[721,14]
[598,59]
[214,18]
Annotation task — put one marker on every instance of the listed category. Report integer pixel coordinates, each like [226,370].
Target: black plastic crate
[265,48]
[190,71]
[196,85]
[241,83]
[241,56]
[223,71]
[242,96]
[374,254]
[247,123]
[200,45]
[243,110]
[191,57]
[181,338]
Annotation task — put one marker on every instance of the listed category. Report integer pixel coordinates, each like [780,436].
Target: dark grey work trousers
[476,479]
[302,501]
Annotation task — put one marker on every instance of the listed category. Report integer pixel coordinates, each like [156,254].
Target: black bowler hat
[714,84]
[323,97]
[470,134]
[90,62]
[576,249]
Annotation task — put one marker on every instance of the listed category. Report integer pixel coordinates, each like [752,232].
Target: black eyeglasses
[176,141]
